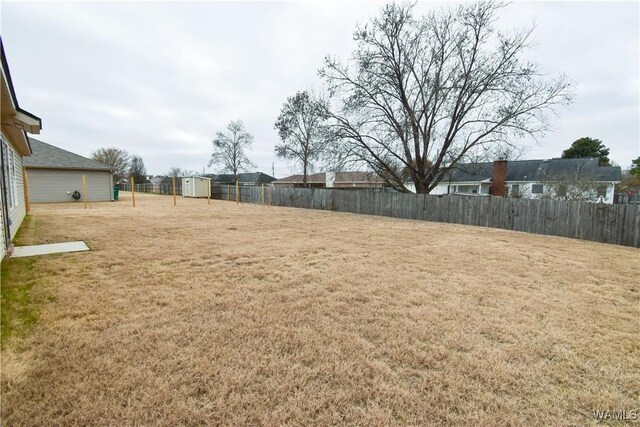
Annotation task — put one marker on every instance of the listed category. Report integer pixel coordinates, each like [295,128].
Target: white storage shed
[196,186]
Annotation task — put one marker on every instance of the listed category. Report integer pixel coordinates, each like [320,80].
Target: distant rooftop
[244,177]
[535,170]
[340,178]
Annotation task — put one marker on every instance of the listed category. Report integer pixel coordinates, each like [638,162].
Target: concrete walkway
[53,248]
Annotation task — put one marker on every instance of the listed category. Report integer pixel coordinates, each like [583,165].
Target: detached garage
[54,175]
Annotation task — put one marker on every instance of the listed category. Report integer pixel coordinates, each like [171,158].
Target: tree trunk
[304,175]
[422,186]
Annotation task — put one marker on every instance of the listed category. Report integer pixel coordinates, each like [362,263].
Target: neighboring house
[569,179]
[54,175]
[162,184]
[314,180]
[14,144]
[249,178]
[334,180]
[158,180]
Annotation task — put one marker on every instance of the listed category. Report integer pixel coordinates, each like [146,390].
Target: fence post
[209,193]
[228,192]
[84,191]
[270,191]
[262,194]
[133,191]
[237,192]
[174,191]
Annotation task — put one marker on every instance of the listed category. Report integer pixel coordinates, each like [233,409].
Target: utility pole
[273,170]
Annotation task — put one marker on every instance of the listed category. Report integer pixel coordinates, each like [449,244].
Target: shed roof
[47,156]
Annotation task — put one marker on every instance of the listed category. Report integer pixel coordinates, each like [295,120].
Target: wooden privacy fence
[616,224]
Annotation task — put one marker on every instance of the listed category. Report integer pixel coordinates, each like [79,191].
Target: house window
[515,190]
[537,189]
[8,157]
[602,191]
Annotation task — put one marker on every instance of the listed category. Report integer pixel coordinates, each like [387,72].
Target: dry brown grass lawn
[244,315]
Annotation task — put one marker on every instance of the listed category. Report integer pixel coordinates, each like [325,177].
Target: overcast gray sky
[159,79]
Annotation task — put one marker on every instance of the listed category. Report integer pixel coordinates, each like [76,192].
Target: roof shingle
[535,170]
[46,156]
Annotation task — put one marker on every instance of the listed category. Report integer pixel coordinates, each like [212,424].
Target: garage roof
[46,156]
[16,122]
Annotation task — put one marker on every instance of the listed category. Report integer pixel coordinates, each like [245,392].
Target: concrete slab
[53,248]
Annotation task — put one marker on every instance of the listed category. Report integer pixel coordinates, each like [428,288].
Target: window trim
[601,190]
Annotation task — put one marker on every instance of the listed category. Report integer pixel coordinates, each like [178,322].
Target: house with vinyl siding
[563,179]
[14,144]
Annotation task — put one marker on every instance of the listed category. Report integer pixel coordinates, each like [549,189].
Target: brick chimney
[499,179]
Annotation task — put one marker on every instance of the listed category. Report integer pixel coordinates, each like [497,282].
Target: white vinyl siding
[10,176]
[15,187]
[3,250]
[18,211]
[57,185]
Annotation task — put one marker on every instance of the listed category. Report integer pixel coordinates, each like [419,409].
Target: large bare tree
[137,170]
[229,149]
[178,172]
[302,129]
[175,172]
[115,157]
[578,183]
[420,95]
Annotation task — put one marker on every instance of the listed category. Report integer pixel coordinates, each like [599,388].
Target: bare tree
[579,184]
[175,172]
[229,149]
[419,95]
[137,170]
[303,131]
[115,157]
[178,172]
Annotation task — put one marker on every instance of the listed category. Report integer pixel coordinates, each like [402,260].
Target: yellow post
[270,190]
[237,192]
[263,194]
[174,191]
[84,191]
[133,191]
[209,193]
[27,202]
